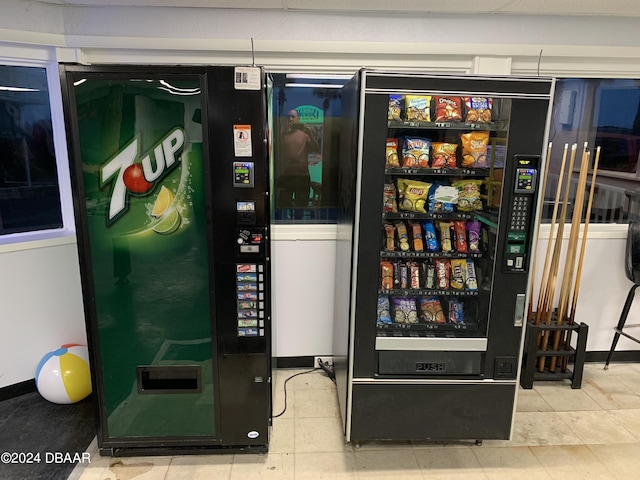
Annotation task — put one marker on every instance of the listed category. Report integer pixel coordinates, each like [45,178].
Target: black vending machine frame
[475,404]
[242,367]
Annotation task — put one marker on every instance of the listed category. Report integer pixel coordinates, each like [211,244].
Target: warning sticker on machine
[242,140]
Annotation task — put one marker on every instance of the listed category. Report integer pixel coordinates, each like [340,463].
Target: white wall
[41,305]
[40,294]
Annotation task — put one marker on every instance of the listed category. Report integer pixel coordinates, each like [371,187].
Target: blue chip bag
[384,317]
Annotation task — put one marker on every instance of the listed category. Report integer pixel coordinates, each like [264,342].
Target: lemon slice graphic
[169,223]
[169,217]
[163,202]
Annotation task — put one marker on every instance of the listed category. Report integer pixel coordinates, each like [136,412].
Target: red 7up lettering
[128,175]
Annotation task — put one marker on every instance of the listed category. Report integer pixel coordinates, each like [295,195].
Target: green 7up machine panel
[170,181]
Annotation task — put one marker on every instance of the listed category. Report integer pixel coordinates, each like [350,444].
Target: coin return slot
[169,379]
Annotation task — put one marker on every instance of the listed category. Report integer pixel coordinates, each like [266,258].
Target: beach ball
[63,376]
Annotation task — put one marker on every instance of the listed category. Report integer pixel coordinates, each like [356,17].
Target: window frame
[39,238]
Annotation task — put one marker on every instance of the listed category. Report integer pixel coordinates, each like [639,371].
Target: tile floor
[559,433]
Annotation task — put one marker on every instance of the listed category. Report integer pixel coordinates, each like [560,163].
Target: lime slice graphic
[163,202]
[169,223]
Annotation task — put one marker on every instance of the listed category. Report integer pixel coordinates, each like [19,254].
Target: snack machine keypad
[519,226]
[520,212]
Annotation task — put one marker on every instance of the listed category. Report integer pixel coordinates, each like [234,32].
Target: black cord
[285,389]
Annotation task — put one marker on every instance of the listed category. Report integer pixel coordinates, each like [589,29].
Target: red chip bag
[448,109]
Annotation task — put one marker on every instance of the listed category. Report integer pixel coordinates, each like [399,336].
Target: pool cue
[535,244]
[576,288]
[545,271]
[570,261]
[551,287]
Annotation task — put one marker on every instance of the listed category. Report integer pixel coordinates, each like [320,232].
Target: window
[29,192]
[602,113]
[305,114]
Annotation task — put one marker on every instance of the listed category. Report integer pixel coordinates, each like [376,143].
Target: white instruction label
[247,78]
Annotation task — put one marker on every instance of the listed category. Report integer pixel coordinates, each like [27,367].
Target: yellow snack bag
[418,108]
[413,195]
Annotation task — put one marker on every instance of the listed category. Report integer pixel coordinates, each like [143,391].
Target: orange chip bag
[474,149]
[444,155]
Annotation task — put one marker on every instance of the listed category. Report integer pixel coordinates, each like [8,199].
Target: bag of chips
[442,198]
[389,237]
[392,153]
[468,195]
[448,109]
[474,149]
[395,105]
[389,204]
[415,152]
[404,310]
[443,155]
[418,108]
[384,317]
[478,109]
[431,310]
[413,195]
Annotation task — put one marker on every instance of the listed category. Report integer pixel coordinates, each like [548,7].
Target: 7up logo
[129,175]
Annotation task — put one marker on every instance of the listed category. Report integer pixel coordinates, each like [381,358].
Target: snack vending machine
[439,186]
[170,185]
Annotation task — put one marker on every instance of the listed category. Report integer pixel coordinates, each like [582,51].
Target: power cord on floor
[285,389]
[324,366]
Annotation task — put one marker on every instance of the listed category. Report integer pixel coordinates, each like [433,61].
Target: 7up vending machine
[170,181]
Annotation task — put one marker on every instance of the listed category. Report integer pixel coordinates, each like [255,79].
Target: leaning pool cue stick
[539,215]
[570,261]
[549,295]
[551,287]
[576,288]
[547,257]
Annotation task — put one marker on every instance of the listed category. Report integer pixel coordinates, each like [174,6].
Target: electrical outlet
[327,360]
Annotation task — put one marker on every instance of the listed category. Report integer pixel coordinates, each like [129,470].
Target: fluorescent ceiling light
[18,89]
[326,76]
[178,89]
[313,85]
[174,92]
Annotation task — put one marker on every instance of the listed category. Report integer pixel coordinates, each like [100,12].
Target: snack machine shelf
[398,254]
[449,172]
[494,126]
[409,329]
[411,292]
[427,216]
